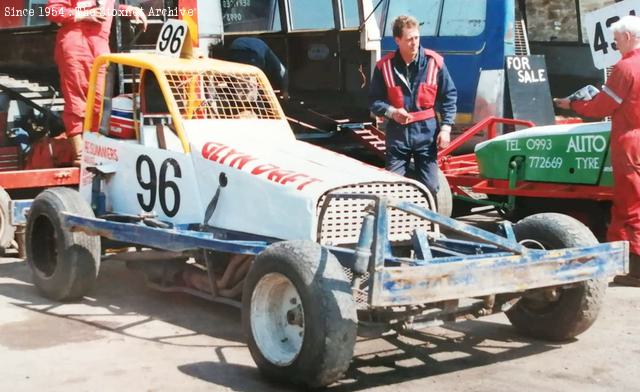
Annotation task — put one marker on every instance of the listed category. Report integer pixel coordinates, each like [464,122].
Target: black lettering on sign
[171,38]
[158,187]
[608,23]
[527,90]
[149,185]
[599,42]
[166,184]
[176,41]
[165,37]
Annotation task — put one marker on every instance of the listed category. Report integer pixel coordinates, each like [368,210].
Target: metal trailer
[22,174]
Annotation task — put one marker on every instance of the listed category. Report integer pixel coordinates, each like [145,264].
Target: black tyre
[444,199]
[64,264]
[299,315]
[6,229]
[568,312]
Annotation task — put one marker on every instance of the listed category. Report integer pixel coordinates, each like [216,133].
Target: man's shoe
[633,278]
[627,280]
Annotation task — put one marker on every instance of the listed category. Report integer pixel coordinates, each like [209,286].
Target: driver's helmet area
[156,128]
[147,111]
[153,105]
[121,124]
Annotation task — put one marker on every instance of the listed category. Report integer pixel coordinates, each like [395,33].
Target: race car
[195,178]
[563,168]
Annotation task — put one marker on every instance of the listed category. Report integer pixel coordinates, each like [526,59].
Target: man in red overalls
[84,35]
[620,99]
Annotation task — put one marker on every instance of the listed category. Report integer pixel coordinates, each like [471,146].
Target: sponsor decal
[104,152]
[231,157]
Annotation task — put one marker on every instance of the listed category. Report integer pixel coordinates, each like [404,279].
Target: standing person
[620,99]
[84,35]
[406,87]
[256,52]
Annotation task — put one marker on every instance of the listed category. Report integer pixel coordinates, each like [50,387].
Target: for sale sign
[603,48]
[528,89]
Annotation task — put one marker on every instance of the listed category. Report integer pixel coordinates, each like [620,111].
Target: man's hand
[401,116]
[444,136]
[137,15]
[95,15]
[562,103]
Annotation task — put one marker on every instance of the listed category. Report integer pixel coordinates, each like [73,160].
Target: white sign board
[603,48]
[171,38]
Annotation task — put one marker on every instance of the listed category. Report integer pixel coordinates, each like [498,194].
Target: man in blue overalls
[406,87]
[254,51]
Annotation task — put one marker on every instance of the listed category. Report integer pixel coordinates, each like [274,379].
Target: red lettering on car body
[263,168]
[278,175]
[241,160]
[223,154]
[311,181]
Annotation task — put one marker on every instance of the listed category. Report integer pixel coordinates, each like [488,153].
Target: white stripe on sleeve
[612,94]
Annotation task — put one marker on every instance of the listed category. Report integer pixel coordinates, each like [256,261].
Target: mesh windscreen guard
[343,218]
[217,95]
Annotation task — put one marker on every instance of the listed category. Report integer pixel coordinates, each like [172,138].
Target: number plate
[172,37]
[603,48]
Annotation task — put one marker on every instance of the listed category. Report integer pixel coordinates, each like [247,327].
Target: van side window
[463,18]
[426,11]
[250,15]
[311,14]
[350,18]
[459,18]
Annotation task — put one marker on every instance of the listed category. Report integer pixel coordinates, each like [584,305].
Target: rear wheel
[64,264]
[299,315]
[444,199]
[556,314]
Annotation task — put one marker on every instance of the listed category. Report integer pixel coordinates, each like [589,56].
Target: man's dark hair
[402,22]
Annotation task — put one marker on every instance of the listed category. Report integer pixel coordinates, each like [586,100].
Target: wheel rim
[277,319]
[538,305]
[44,256]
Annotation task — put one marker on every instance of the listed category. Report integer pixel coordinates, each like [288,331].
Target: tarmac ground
[125,336]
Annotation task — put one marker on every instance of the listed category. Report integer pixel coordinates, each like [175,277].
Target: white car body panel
[122,189]
[273,186]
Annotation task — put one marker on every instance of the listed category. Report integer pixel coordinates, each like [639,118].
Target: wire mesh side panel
[343,218]
[361,292]
[217,95]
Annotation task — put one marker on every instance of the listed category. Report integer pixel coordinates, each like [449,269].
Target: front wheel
[64,264]
[558,314]
[299,315]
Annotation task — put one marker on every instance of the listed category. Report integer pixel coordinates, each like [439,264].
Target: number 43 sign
[603,48]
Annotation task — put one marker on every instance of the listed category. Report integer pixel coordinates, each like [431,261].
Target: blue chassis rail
[443,270]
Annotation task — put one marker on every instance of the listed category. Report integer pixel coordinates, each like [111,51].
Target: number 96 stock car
[197,174]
